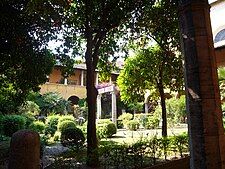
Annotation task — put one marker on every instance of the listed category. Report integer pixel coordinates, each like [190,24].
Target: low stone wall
[183,163]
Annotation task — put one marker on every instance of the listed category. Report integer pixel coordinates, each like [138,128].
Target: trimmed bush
[12,123]
[106,130]
[38,126]
[66,124]
[132,125]
[151,122]
[66,118]
[125,117]
[72,137]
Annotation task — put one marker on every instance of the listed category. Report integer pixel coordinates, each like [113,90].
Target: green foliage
[53,103]
[141,154]
[29,119]
[66,118]
[106,128]
[176,109]
[12,123]
[132,125]
[125,117]
[66,124]
[180,143]
[38,126]
[52,122]
[29,108]
[151,122]
[24,60]
[221,78]
[72,136]
[136,107]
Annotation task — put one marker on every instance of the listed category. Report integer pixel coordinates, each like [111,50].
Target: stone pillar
[24,150]
[206,133]
[114,112]
[99,106]
[65,81]
[82,78]
[146,107]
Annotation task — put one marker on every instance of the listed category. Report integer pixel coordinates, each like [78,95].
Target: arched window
[220,36]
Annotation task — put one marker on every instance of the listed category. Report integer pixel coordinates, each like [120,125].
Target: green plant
[29,108]
[165,143]
[52,102]
[106,130]
[180,143]
[132,125]
[125,117]
[38,126]
[66,124]
[12,123]
[52,121]
[29,119]
[72,137]
[57,136]
[151,122]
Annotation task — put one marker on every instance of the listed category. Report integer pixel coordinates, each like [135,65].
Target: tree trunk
[92,146]
[163,104]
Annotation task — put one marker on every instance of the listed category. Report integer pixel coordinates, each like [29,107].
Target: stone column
[114,112]
[99,106]
[206,133]
[24,150]
[82,78]
[146,107]
[65,81]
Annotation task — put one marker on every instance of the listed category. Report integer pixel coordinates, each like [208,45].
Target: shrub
[29,108]
[29,119]
[151,122]
[52,122]
[142,118]
[125,117]
[180,143]
[132,125]
[66,118]
[66,124]
[38,126]
[72,137]
[57,136]
[12,123]
[107,129]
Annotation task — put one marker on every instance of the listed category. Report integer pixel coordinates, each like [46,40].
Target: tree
[97,24]
[150,69]
[158,22]
[24,59]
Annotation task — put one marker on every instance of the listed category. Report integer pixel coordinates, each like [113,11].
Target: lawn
[129,137]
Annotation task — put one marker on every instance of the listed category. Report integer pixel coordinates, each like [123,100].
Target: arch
[220,36]
[74,100]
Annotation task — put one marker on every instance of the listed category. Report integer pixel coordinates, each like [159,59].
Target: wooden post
[24,150]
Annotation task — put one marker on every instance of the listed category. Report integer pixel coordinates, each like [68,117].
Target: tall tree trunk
[163,104]
[92,146]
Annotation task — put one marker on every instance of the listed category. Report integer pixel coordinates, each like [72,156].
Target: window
[220,36]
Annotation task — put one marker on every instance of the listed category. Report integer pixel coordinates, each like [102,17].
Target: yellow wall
[65,90]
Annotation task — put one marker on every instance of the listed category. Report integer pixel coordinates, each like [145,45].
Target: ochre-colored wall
[65,90]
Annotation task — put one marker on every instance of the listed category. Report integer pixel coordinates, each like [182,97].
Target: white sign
[106,89]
